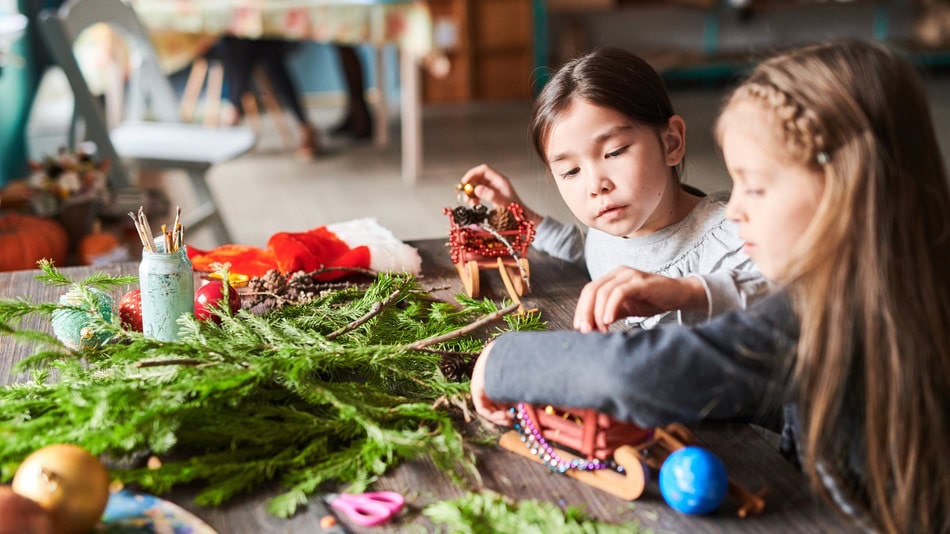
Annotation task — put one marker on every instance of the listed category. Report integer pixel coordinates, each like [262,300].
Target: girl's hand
[493,187]
[625,292]
[493,411]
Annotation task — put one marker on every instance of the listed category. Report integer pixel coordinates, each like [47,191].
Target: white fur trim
[386,252]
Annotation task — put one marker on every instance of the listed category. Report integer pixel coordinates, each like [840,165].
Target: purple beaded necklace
[535,442]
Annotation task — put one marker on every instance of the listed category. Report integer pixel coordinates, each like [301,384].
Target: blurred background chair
[148,134]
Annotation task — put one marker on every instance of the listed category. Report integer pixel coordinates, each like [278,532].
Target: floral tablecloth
[183,29]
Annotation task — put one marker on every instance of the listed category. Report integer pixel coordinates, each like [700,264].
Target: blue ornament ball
[74,327]
[693,481]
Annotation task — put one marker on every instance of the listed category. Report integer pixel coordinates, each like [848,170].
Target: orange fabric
[287,252]
[251,261]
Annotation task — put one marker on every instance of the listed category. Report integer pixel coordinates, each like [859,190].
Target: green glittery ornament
[74,327]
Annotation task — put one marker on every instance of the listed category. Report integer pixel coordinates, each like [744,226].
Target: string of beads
[535,442]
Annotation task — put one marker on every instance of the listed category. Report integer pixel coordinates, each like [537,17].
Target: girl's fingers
[585,312]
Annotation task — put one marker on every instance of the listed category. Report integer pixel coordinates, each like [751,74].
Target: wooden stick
[374,311]
[167,236]
[176,243]
[148,230]
[423,343]
[138,228]
[160,363]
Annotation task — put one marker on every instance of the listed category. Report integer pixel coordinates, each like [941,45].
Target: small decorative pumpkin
[97,244]
[73,327]
[26,239]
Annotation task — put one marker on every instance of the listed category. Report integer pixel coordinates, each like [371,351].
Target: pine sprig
[257,398]
[51,276]
[490,512]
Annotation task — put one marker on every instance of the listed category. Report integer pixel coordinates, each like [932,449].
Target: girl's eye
[754,192]
[570,173]
[617,152]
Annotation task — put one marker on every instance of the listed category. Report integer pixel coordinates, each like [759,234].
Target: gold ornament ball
[68,482]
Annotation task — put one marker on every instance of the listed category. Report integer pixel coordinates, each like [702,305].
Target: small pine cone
[502,220]
[456,367]
[274,282]
[255,285]
[466,216]
[300,280]
[463,216]
[481,213]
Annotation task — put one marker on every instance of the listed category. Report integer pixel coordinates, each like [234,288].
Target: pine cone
[274,282]
[301,280]
[456,367]
[501,220]
[466,216]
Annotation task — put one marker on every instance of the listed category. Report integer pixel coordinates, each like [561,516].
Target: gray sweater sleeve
[732,290]
[562,241]
[729,368]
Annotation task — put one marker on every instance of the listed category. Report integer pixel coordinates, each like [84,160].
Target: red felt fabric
[311,250]
[287,252]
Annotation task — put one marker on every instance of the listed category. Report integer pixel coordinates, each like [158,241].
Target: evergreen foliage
[335,390]
[489,512]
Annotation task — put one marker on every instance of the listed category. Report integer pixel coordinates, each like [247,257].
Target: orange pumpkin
[26,239]
[96,244]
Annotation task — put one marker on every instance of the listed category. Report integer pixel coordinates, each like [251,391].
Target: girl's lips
[609,211]
[748,247]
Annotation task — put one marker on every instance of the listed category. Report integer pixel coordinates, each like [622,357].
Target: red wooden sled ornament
[476,247]
[612,456]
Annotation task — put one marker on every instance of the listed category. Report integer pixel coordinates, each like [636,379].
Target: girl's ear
[674,140]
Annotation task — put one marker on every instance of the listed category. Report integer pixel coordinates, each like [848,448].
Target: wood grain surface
[750,458]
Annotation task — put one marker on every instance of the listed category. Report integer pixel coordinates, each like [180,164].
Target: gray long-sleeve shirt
[704,244]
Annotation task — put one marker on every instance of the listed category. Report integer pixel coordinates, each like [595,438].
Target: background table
[750,459]
[403,23]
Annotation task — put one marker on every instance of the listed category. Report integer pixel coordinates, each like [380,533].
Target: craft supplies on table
[369,509]
[166,279]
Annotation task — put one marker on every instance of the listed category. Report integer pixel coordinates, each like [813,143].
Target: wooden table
[750,459]
[405,24]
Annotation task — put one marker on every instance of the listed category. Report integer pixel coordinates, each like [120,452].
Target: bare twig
[360,270]
[449,352]
[160,363]
[422,343]
[377,308]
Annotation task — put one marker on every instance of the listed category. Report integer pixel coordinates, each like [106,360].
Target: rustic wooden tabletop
[750,458]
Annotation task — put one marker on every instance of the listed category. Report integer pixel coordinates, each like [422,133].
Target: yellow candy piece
[234,279]
[549,410]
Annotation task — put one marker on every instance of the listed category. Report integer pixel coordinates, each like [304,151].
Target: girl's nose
[599,185]
[734,211]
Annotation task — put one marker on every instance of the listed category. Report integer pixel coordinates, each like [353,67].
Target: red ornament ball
[130,310]
[210,296]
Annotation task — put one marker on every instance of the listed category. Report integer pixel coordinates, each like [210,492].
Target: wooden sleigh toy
[608,455]
[494,240]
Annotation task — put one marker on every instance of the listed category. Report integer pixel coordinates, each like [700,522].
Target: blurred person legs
[357,121]
[240,56]
[18,85]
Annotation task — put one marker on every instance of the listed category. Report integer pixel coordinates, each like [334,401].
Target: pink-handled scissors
[368,509]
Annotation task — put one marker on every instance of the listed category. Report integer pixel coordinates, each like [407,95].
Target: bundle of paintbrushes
[173,238]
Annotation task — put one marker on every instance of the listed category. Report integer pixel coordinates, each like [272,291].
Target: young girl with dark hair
[605,127]
[841,197]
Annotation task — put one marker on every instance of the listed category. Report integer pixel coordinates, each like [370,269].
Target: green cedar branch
[259,397]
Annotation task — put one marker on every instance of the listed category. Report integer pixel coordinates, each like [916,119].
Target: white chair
[161,141]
